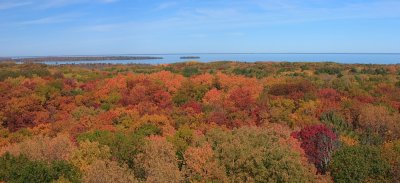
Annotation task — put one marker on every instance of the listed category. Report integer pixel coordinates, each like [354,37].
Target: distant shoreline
[167,59]
[77,59]
[200,53]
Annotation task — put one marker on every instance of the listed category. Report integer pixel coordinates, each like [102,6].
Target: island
[190,57]
[83,58]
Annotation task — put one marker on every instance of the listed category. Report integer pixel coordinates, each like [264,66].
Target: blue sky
[85,27]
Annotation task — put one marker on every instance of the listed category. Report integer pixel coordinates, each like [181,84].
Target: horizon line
[193,53]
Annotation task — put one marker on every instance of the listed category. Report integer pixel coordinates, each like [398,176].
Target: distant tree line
[85,58]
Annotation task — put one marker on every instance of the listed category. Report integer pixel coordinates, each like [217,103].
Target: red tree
[193,107]
[241,99]
[318,142]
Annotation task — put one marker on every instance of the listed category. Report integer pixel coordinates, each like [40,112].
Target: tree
[190,71]
[88,153]
[142,91]
[330,100]
[189,92]
[203,79]
[377,122]
[171,81]
[219,117]
[102,171]
[202,165]
[360,164]
[241,99]
[22,112]
[21,169]
[337,123]
[294,89]
[181,140]
[306,114]
[281,111]
[124,148]
[192,107]
[258,155]
[159,161]
[391,153]
[318,142]
[43,148]
[213,97]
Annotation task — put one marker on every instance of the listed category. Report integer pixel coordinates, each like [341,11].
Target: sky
[92,27]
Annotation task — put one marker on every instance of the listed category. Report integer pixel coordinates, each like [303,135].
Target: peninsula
[83,58]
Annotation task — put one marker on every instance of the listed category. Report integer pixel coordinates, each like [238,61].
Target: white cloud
[9,5]
[243,16]
[165,5]
[49,20]
[230,16]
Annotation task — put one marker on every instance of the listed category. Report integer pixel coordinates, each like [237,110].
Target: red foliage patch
[318,142]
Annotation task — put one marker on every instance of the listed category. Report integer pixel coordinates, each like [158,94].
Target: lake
[362,58]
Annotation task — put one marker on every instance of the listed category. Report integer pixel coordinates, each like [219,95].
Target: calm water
[339,58]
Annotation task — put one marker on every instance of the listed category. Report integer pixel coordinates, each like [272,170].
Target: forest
[200,122]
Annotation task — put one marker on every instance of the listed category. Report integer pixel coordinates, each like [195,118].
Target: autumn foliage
[319,143]
[200,122]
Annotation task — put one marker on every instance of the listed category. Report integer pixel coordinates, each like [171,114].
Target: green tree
[123,147]
[181,140]
[189,92]
[21,169]
[256,155]
[359,164]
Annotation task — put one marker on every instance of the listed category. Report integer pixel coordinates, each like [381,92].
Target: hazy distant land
[82,58]
[348,58]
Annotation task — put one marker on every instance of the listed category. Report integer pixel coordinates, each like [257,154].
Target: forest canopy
[200,122]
